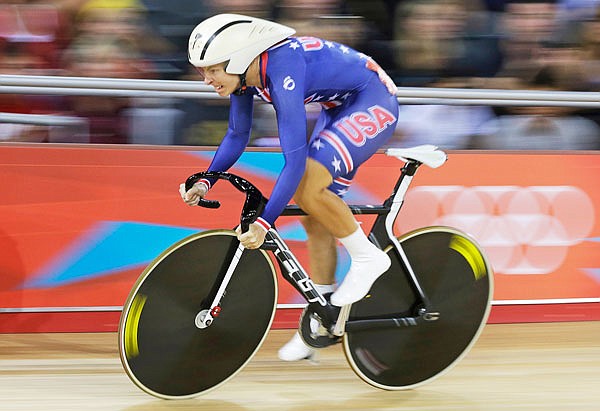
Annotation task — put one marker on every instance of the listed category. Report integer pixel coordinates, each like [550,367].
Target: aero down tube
[292,270]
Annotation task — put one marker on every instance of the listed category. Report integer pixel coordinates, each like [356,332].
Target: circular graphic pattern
[524,230]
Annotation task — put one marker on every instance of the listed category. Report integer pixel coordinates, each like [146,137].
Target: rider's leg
[322,258]
[318,197]
[322,251]
[368,261]
[351,134]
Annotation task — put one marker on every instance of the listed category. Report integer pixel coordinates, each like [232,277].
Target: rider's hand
[194,194]
[253,238]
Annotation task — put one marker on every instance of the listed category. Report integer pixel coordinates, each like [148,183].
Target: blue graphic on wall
[113,246]
[268,165]
[107,248]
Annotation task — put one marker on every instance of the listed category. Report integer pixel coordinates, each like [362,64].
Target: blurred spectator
[123,22]
[112,41]
[170,22]
[566,56]
[30,38]
[376,30]
[450,127]
[435,39]
[205,120]
[576,10]
[320,19]
[39,28]
[256,8]
[539,128]
[95,57]
[590,35]
[17,60]
[526,26]
[105,45]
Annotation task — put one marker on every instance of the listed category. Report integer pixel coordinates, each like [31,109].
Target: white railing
[41,119]
[94,86]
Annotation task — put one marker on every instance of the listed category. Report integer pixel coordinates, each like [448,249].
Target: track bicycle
[201,310]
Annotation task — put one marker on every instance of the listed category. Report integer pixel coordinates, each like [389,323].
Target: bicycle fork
[205,317]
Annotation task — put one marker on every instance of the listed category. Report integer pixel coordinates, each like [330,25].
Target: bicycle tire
[162,350]
[457,278]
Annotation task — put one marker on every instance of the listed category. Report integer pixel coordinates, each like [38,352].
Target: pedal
[313,332]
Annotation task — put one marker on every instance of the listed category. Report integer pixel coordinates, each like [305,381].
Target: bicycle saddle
[427,154]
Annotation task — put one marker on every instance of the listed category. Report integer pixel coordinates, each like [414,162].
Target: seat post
[406,174]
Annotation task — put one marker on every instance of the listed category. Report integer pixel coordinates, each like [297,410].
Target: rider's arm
[291,122]
[237,137]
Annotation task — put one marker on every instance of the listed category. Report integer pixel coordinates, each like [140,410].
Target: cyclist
[243,57]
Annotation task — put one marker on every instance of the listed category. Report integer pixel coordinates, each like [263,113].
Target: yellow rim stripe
[131,326]
[471,253]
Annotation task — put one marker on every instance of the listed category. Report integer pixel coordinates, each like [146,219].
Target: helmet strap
[242,90]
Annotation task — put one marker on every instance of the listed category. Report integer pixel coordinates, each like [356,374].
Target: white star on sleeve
[318,144]
[294,45]
[329,44]
[342,191]
[336,164]
[344,49]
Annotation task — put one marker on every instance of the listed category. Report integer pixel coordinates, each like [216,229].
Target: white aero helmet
[234,38]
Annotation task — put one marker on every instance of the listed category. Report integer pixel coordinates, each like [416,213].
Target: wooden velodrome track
[546,366]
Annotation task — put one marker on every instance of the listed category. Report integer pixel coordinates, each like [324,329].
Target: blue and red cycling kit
[359,114]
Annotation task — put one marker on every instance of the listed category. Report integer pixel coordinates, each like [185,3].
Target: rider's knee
[312,226]
[308,198]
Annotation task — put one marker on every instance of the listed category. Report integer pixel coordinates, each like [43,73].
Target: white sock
[325,288]
[368,263]
[358,245]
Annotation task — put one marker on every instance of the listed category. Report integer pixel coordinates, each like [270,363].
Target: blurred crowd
[551,45]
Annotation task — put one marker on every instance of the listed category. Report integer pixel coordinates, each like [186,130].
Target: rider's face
[223,82]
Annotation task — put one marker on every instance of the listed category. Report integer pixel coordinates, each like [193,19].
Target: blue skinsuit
[359,113]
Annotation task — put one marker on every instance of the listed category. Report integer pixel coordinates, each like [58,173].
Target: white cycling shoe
[296,350]
[360,278]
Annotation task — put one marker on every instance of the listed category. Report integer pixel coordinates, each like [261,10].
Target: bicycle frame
[381,234]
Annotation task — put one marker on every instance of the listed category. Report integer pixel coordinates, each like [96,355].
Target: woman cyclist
[243,57]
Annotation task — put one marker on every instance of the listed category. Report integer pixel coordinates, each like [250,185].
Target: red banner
[79,224]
